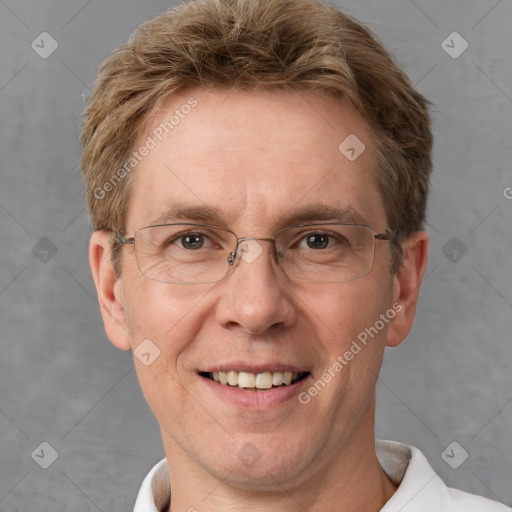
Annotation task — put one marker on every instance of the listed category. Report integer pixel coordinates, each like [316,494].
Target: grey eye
[317,241]
[192,241]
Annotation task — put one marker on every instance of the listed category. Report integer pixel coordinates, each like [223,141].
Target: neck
[351,480]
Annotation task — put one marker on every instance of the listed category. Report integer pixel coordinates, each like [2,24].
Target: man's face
[258,158]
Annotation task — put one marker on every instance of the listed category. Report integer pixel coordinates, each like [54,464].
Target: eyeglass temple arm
[122,240]
[387,235]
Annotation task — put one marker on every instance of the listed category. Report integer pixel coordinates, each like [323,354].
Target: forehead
[253,159]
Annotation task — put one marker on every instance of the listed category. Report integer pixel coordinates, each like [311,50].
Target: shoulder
[462,501]
[420,489]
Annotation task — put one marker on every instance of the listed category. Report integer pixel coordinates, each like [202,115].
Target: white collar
[420,489]
[155,492]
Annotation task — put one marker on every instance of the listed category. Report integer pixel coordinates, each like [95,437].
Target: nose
[255,295]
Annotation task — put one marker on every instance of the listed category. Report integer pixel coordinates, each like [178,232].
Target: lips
[253,387]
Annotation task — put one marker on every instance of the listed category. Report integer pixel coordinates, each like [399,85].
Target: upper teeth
[255,380]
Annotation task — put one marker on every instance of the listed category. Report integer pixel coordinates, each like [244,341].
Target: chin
[262,462]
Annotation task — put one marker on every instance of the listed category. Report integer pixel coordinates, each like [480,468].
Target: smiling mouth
[253,381]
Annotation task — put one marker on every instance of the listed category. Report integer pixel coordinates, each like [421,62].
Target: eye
[317,241]
[191,241]
[322,241]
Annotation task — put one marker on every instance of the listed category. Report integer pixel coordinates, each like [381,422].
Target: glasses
[202,253]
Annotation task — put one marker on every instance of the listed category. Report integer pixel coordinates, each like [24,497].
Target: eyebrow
[179,212]
[311,213]
[323,213]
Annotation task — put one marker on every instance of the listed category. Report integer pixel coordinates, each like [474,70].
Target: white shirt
[420,489]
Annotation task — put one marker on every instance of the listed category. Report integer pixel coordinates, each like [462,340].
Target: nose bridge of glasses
[255,239]
[249,249]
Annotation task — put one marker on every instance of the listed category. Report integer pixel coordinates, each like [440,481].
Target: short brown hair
[247,44]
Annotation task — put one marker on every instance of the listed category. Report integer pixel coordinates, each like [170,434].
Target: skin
[257,157]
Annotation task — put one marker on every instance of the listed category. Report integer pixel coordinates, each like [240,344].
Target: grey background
[62,382]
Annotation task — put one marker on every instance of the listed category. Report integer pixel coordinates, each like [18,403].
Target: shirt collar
[155,492]
[420,489]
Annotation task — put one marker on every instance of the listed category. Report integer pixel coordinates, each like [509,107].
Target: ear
[109,289]
[407,285]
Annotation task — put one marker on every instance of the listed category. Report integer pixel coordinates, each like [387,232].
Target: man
[257,173]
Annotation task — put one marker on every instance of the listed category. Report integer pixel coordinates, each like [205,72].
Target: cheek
[357,316]
[344,311]
[167,314]
[347,320]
